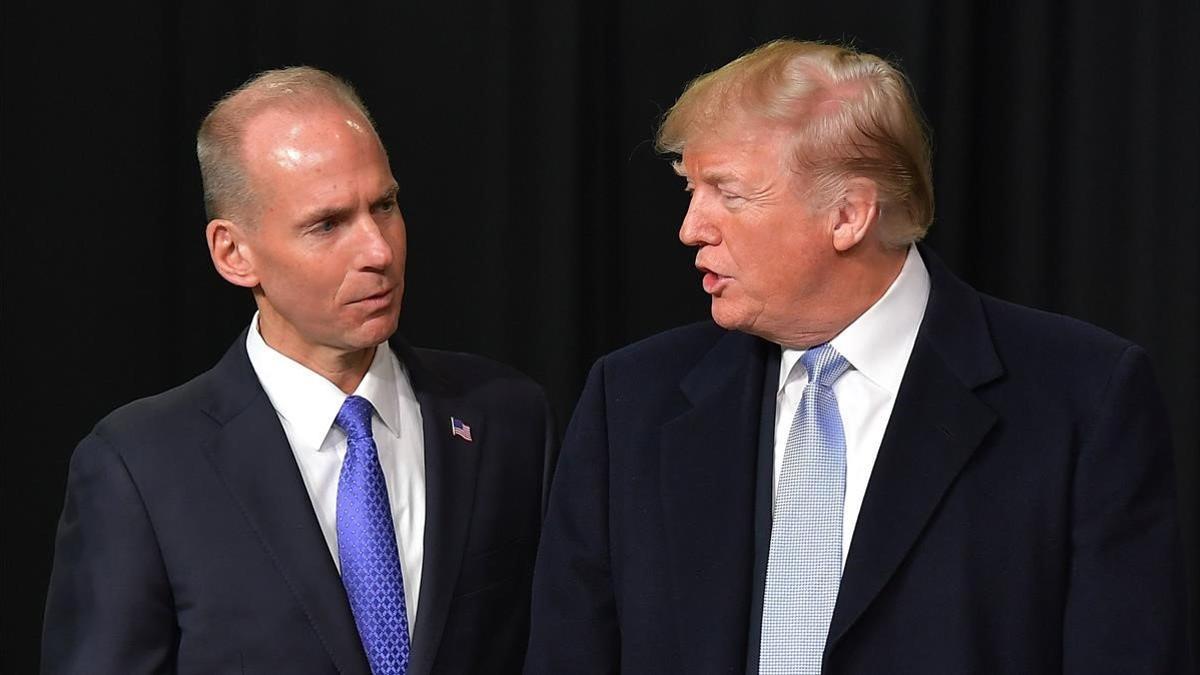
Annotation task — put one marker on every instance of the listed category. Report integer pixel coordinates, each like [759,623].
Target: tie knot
[355,417]
[824,365]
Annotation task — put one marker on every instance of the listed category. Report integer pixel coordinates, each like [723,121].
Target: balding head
[228,188]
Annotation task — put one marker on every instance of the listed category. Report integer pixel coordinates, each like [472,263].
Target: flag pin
[458,428]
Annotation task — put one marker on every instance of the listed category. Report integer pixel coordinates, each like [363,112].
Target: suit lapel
[451,467]
[707,469]
[252,456]
[936,425]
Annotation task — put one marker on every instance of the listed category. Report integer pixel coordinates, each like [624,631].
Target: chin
[374,331]
[727,317]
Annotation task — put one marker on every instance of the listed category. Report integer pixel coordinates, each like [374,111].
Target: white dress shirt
[877,344]
[307,404]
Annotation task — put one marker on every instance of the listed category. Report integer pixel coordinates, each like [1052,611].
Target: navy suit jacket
[1020,517]
[188,542]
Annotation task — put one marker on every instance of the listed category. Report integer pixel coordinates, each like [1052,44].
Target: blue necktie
[367,545]
[804,566]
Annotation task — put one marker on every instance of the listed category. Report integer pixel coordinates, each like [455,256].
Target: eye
[387,206]
[324,226]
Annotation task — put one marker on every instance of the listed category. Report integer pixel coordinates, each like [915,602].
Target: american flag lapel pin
[460,429]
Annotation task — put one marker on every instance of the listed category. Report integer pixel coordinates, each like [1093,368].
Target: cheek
[756,253]
[310,282]
[772,258]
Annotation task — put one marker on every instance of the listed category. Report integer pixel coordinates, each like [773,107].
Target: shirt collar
[309,402]
[879,342]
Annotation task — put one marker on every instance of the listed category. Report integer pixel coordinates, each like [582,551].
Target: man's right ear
[227,247]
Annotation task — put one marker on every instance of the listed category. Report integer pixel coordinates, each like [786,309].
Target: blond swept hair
[227,190]
[850,115]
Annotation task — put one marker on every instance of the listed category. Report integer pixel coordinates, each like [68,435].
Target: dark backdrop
[542,225]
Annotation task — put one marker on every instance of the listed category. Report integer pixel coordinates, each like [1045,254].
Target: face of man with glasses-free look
[327,498]
[860,464]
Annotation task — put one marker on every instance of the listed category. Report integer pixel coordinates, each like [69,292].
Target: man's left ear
[857,213]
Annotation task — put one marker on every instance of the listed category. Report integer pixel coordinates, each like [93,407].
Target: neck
[345,369]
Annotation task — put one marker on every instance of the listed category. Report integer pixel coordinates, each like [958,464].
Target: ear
[857,213]
[228,248]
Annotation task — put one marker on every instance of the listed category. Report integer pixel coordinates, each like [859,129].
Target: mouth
[712,282]
[377,301]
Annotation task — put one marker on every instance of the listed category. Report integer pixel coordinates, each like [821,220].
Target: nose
[698,228]
[374,248]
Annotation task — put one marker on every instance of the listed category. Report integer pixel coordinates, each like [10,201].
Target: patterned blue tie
[367,545]
[804,566]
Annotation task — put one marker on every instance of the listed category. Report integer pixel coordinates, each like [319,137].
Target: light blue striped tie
[805,562]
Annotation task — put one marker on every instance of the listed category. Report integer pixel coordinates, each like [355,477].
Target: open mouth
[712,282]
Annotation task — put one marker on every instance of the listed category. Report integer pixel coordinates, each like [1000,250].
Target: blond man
[860,465]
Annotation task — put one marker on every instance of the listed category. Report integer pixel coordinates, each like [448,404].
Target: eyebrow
[321,215]
[711,176]
[388,195]
[338,212]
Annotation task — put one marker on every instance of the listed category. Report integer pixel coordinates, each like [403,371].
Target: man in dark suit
[322,500]
[865,466]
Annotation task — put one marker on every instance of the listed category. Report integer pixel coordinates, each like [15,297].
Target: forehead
[303,161]
[291,138]
[734,148]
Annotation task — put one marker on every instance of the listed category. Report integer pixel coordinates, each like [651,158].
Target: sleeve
[1125,609]
[574,625]
[109,607]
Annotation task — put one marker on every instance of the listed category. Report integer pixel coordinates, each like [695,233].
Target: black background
[542,226]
